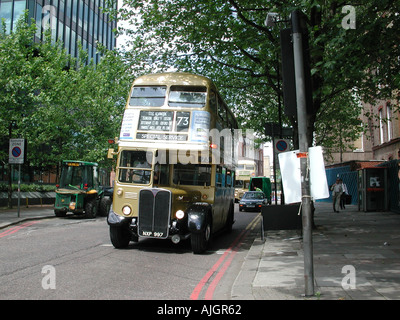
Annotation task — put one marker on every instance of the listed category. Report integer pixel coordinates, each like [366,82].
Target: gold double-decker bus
[175,162]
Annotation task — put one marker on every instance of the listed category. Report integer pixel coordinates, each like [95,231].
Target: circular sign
[281,145]
[16,152]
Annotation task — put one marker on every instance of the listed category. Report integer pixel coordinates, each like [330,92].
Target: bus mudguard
[197,216]
[114,219]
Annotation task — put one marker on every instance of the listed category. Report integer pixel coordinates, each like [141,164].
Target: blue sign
[16,152]
[281,145]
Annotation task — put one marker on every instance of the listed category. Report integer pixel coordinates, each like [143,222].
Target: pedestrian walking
[344,195]
[337,190]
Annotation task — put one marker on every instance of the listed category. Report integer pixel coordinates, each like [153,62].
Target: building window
[80,18]
[67,39]
[60,31]
[19,8]
[381,126]
[5,13]
[74,10]
[61,9]
[90,23]
[85,20]
[389,121]
[73,43]
[68,10]
[38,21]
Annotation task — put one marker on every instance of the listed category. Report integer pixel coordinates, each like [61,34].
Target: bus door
[220,195]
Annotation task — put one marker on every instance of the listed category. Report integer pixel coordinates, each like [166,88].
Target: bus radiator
[154,213]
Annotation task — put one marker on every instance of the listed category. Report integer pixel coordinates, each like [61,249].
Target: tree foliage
[65,108]
[228,41]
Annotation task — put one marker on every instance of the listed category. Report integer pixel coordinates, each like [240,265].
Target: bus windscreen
[187,96]
[148,96]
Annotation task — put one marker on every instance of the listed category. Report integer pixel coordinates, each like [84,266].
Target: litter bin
[372,189]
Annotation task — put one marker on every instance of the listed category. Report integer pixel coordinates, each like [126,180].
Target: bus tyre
[60,213]
[104,207]
[201,240]
[119,237]
[91,209]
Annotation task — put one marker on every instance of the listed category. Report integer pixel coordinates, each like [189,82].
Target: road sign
[17,149]
[281,145]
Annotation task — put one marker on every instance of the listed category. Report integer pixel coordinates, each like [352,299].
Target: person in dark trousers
[343,196]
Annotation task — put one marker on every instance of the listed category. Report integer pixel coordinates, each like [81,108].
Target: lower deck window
[192,174]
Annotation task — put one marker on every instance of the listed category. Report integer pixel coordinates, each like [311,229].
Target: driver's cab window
[135,167]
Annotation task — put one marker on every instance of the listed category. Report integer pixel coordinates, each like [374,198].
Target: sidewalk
[366,244]
[33,212]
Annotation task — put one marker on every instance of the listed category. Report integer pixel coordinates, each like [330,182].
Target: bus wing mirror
[111,153]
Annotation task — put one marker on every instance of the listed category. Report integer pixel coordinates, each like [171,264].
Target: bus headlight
[180,214]
[126,210]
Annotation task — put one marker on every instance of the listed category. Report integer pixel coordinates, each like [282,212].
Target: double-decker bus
[246,170]
[176,162]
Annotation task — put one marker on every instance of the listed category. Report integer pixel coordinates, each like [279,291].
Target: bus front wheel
[201,240]
[119,237]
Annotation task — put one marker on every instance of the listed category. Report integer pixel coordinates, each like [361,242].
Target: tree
[81,112]
[25,73]
[227,41]
[64,108]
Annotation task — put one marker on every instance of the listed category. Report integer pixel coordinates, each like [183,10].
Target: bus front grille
[154,213]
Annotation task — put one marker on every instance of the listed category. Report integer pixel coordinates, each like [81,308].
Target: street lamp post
[303,146]
[298,25]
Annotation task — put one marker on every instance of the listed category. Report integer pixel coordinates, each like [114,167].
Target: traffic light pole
[303,146]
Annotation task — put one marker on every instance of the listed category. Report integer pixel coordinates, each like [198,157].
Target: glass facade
[71,21]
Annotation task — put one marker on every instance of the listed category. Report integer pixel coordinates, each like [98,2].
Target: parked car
[252,200]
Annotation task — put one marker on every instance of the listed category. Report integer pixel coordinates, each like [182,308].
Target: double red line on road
[229,254]
[17,228]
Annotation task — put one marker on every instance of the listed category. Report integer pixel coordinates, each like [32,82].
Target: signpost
[16,156]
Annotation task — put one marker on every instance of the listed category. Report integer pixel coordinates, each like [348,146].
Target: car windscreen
[253,195]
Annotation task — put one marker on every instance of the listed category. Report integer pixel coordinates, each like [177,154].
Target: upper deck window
[187,96]
[148,96]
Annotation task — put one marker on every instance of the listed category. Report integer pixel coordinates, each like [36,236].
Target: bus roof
[174,78]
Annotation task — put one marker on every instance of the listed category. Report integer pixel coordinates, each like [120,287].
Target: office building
[71,21]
